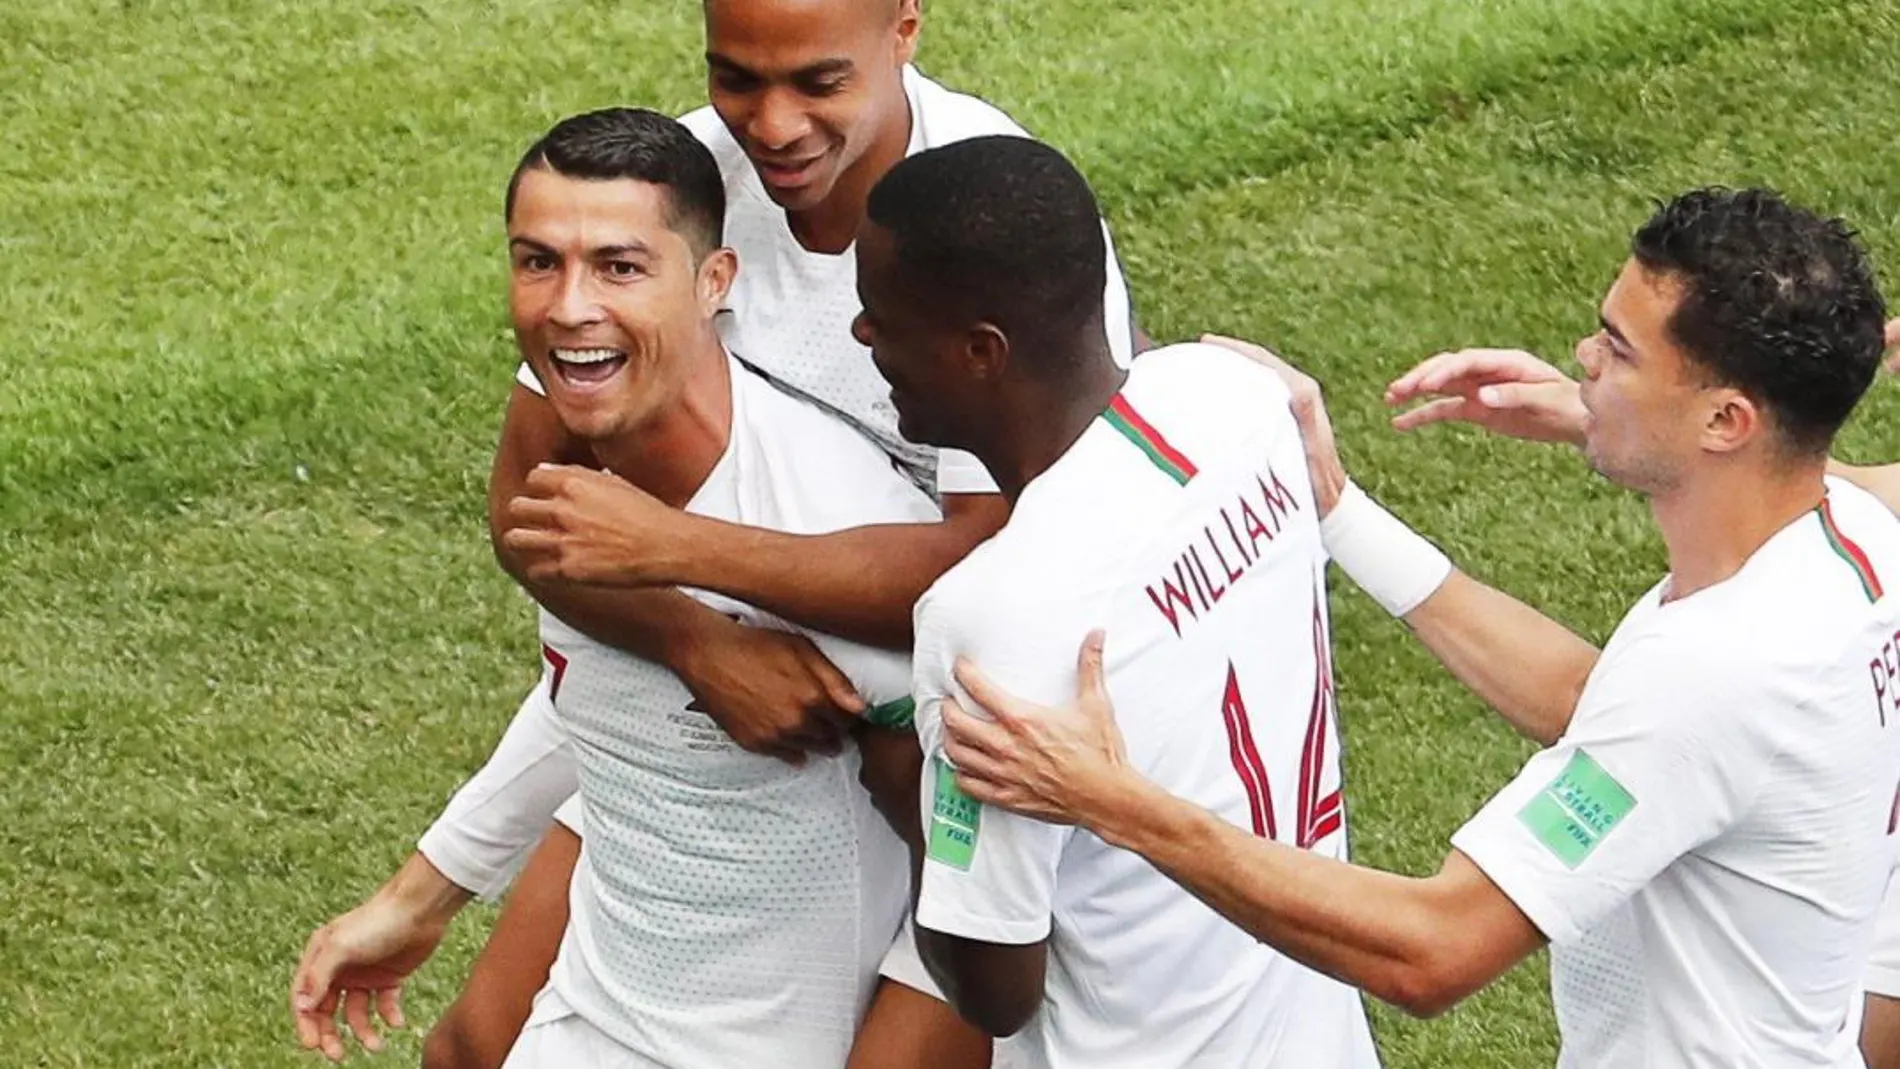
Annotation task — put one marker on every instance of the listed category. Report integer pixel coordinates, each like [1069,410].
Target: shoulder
[802,453]
[706,125]
[948,116]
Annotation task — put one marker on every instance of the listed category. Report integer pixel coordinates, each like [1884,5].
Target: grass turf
[253,353]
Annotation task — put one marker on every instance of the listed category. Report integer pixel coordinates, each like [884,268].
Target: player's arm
[573,526]
[1421,944]
[1528,667]
[994,986]
[774,693]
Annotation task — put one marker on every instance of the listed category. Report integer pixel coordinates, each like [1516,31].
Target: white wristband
[1390,561]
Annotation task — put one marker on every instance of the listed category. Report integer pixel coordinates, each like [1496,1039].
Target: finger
[1089,679]
[549,480]
[389,1007]
[533,512]
[1406,386]
[1893,333]
[968,731]
[978,764]
[356,1012]
[329,1040]
[992,698]
[1443,410]
[986,790]
[838,689]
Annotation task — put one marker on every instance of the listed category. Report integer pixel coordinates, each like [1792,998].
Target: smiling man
[1707,835]
[811,102]
[729,908]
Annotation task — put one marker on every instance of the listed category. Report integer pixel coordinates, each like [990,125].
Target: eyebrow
[1610,329]
[836,65]
[630,248]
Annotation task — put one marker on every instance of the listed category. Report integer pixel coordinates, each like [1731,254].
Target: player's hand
[772,691]
[1505,391]
[364,957]
[577,525]
[1892,361]
[1063,764]
[1309,411]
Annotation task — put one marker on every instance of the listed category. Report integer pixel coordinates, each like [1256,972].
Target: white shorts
[903,964]
[556,1037]
[1883,966]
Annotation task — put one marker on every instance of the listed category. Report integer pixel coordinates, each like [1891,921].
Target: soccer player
[728,908]
[1515,393]
[1170,500]
[1707,836]
[812,101]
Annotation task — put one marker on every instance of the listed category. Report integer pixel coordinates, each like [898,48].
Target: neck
[1713,525]
[671,454]
[832,225]
[1039,421]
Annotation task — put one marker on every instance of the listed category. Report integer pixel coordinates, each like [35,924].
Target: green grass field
[253,353]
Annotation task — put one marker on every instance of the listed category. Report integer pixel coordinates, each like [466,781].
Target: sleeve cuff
[1518,885]
[950,921]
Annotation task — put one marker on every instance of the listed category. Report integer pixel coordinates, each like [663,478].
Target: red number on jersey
[1318,817]
[557,662]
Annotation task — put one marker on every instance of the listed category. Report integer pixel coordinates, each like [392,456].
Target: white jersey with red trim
[1182,521]
[1707,845]
[729,908]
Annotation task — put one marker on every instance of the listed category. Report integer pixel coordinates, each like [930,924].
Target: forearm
[859,584]
[424,892]
[1528,667]
[1377,931]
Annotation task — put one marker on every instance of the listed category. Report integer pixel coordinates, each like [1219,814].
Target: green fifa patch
[1574,813]
[954,819]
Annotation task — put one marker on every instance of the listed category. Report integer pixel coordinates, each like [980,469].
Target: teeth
[586,356]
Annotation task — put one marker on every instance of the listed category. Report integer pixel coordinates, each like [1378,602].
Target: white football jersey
[731,908]
[1707,845]
[790,310]
[1883,967]
[1182,521]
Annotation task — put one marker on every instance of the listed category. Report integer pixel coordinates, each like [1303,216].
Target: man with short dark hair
[811,102]
[729,908]
[1706,838]
[1169,500]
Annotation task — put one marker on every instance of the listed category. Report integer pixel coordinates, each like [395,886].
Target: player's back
[1183,523]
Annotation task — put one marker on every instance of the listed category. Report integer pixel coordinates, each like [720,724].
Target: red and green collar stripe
[1122,416]
[1851,553]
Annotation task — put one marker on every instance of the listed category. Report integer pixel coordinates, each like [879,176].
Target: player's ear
[910,21]
[716,273]
[1732,421]
[986,353]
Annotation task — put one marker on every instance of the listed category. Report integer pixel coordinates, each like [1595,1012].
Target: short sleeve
[526,377]
[1883,965]
[988,874]
[1660,759]
[961,473]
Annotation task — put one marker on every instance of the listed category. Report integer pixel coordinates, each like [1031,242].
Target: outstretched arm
[1374,930]
[1528,667]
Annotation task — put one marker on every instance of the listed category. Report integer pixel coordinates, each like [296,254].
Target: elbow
[1427,986]
[998,1018]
